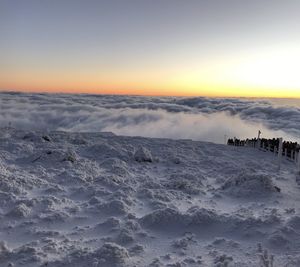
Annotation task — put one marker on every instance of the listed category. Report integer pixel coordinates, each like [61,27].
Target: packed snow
[97,199]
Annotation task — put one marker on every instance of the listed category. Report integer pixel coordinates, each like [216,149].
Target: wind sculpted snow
[97,199]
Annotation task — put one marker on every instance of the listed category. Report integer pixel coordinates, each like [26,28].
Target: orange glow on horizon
[264,73]
[158,91]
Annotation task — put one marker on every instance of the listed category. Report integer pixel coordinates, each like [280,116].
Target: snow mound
[223,261]
[111,254]
[188,183]
[28,253]
[54,156]
[184,242]
[207,218]
[20,211]
[117,166]
[10,185]
[280,238]
[162,218]
[194,217]
[109,223]
[125,237]
[250,185]
[3,169]
[142,154]
[114,207]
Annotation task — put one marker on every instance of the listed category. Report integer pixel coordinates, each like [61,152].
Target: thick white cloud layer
[197,118]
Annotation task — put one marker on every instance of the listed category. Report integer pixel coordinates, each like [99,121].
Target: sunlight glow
[265,72]
[270,68]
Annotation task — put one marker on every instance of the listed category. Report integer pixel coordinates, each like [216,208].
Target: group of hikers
[237,142]
[288,148]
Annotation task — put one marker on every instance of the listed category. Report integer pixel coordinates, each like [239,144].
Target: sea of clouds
[197,118]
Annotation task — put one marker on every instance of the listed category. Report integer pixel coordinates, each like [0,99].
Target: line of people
[288,148]
[236,142]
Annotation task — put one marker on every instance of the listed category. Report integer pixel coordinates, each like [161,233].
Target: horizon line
[138,95]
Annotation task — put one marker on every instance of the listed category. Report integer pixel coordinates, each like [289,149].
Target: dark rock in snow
[143,155]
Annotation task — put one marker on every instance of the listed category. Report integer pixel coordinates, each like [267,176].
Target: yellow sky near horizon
[269,72]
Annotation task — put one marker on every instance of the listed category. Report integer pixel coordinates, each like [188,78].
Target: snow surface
[96,199]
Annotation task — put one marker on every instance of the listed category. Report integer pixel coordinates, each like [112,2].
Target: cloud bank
[199,118]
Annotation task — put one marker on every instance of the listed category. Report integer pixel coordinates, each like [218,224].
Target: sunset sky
[152,47]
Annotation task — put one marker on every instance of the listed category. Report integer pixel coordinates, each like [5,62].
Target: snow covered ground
[96,199]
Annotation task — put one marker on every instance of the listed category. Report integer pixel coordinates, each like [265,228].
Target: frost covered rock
[143,155]
[11,185]
[266,260]
[184,242]
[223,242]
[156,263]
[111,253]
[46,138]
[32,137]
[250,185]
[223,261]
[3,169]
[176,160]
[294,223]
[137,249]
[125,236]
[20,211]
[70,156]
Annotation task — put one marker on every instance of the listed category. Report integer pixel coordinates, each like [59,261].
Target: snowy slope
[96,199]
